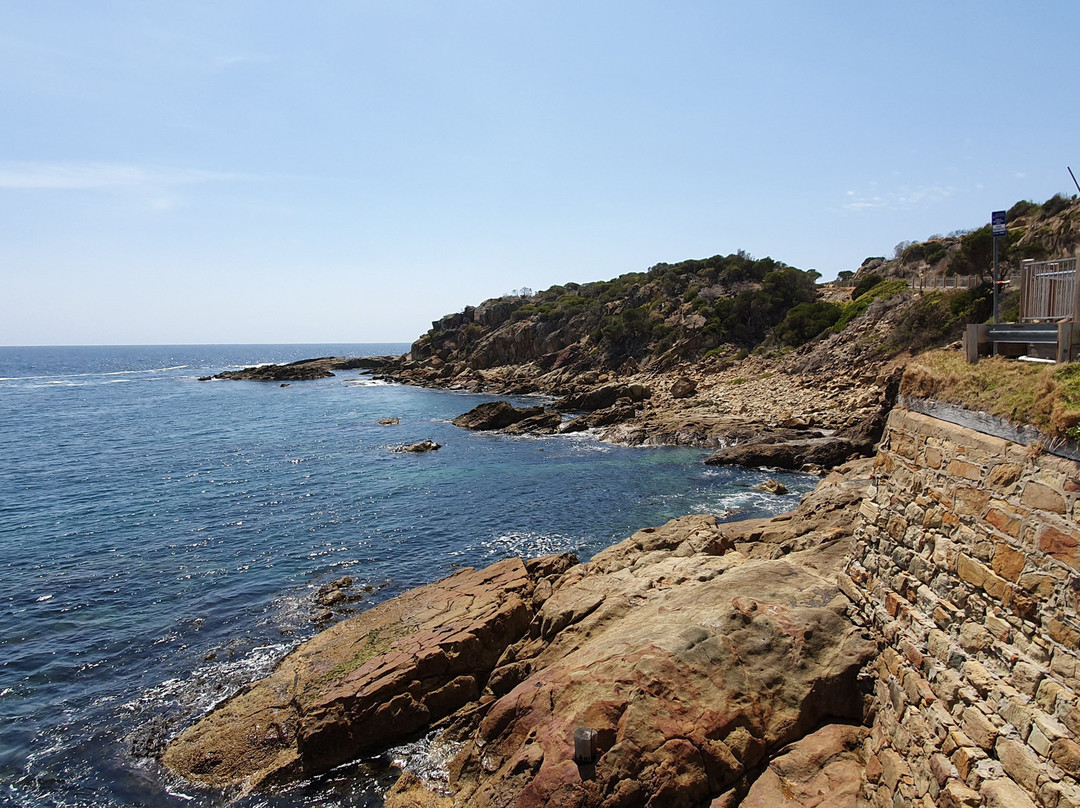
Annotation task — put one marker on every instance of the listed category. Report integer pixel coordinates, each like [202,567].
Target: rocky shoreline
[906,636]
[754,413]
[735,632]
[752,416]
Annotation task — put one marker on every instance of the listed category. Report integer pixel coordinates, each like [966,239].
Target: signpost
[997,229]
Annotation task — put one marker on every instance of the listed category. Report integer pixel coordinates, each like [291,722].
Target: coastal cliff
[731,345]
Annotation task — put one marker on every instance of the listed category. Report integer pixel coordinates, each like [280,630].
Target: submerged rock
[417,448]
[772,486]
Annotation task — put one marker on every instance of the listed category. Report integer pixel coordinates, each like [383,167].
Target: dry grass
[1044,396]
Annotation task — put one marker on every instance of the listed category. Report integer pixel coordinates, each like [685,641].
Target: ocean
[163,540]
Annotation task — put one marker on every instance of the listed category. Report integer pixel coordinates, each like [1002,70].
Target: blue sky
[242,171]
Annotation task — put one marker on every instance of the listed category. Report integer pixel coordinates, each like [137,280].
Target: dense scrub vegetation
[938,317]
[731,305]
[1036,232]
[688,308]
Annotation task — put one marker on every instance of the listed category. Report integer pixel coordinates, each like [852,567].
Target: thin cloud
[858,202]
[101,176]
[901,199]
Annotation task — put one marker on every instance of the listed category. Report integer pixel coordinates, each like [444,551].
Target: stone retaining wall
[966,569]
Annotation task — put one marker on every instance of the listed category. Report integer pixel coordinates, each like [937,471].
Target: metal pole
[995,281]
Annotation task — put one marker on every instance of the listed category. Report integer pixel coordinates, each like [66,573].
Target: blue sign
[997,223]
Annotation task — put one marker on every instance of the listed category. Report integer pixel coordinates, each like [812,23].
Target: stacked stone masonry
[967,569]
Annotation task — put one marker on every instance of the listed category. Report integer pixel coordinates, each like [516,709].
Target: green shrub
[913,254]
[881,291]
[528,310]
[1009,307]
[939,317]
[1055,205]
[865,284]
[934,251]
[1035,250]
[1021,208]
[806,321]
[973,305]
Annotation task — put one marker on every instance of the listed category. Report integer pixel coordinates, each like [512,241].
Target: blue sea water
[162,540]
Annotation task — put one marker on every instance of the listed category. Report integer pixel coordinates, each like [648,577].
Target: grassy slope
[1044,396]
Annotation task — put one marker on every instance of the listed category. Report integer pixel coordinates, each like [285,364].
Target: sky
[262,171]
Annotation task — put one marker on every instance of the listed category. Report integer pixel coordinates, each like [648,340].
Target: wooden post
[971,343]
[584,746]
[1067,333]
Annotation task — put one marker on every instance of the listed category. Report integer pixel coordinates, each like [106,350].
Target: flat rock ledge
[304,369]
[698,652]
[366,683]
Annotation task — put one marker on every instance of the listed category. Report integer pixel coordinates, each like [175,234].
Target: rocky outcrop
[367,682]
[543,423]
[696,650]
[795,446]
[304,369]
[501,415]
[824,452]
[688,689]
[683,387]
[823,769]
[495,415]
[603,396]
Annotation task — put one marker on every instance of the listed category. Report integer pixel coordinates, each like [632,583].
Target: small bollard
[584,746]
